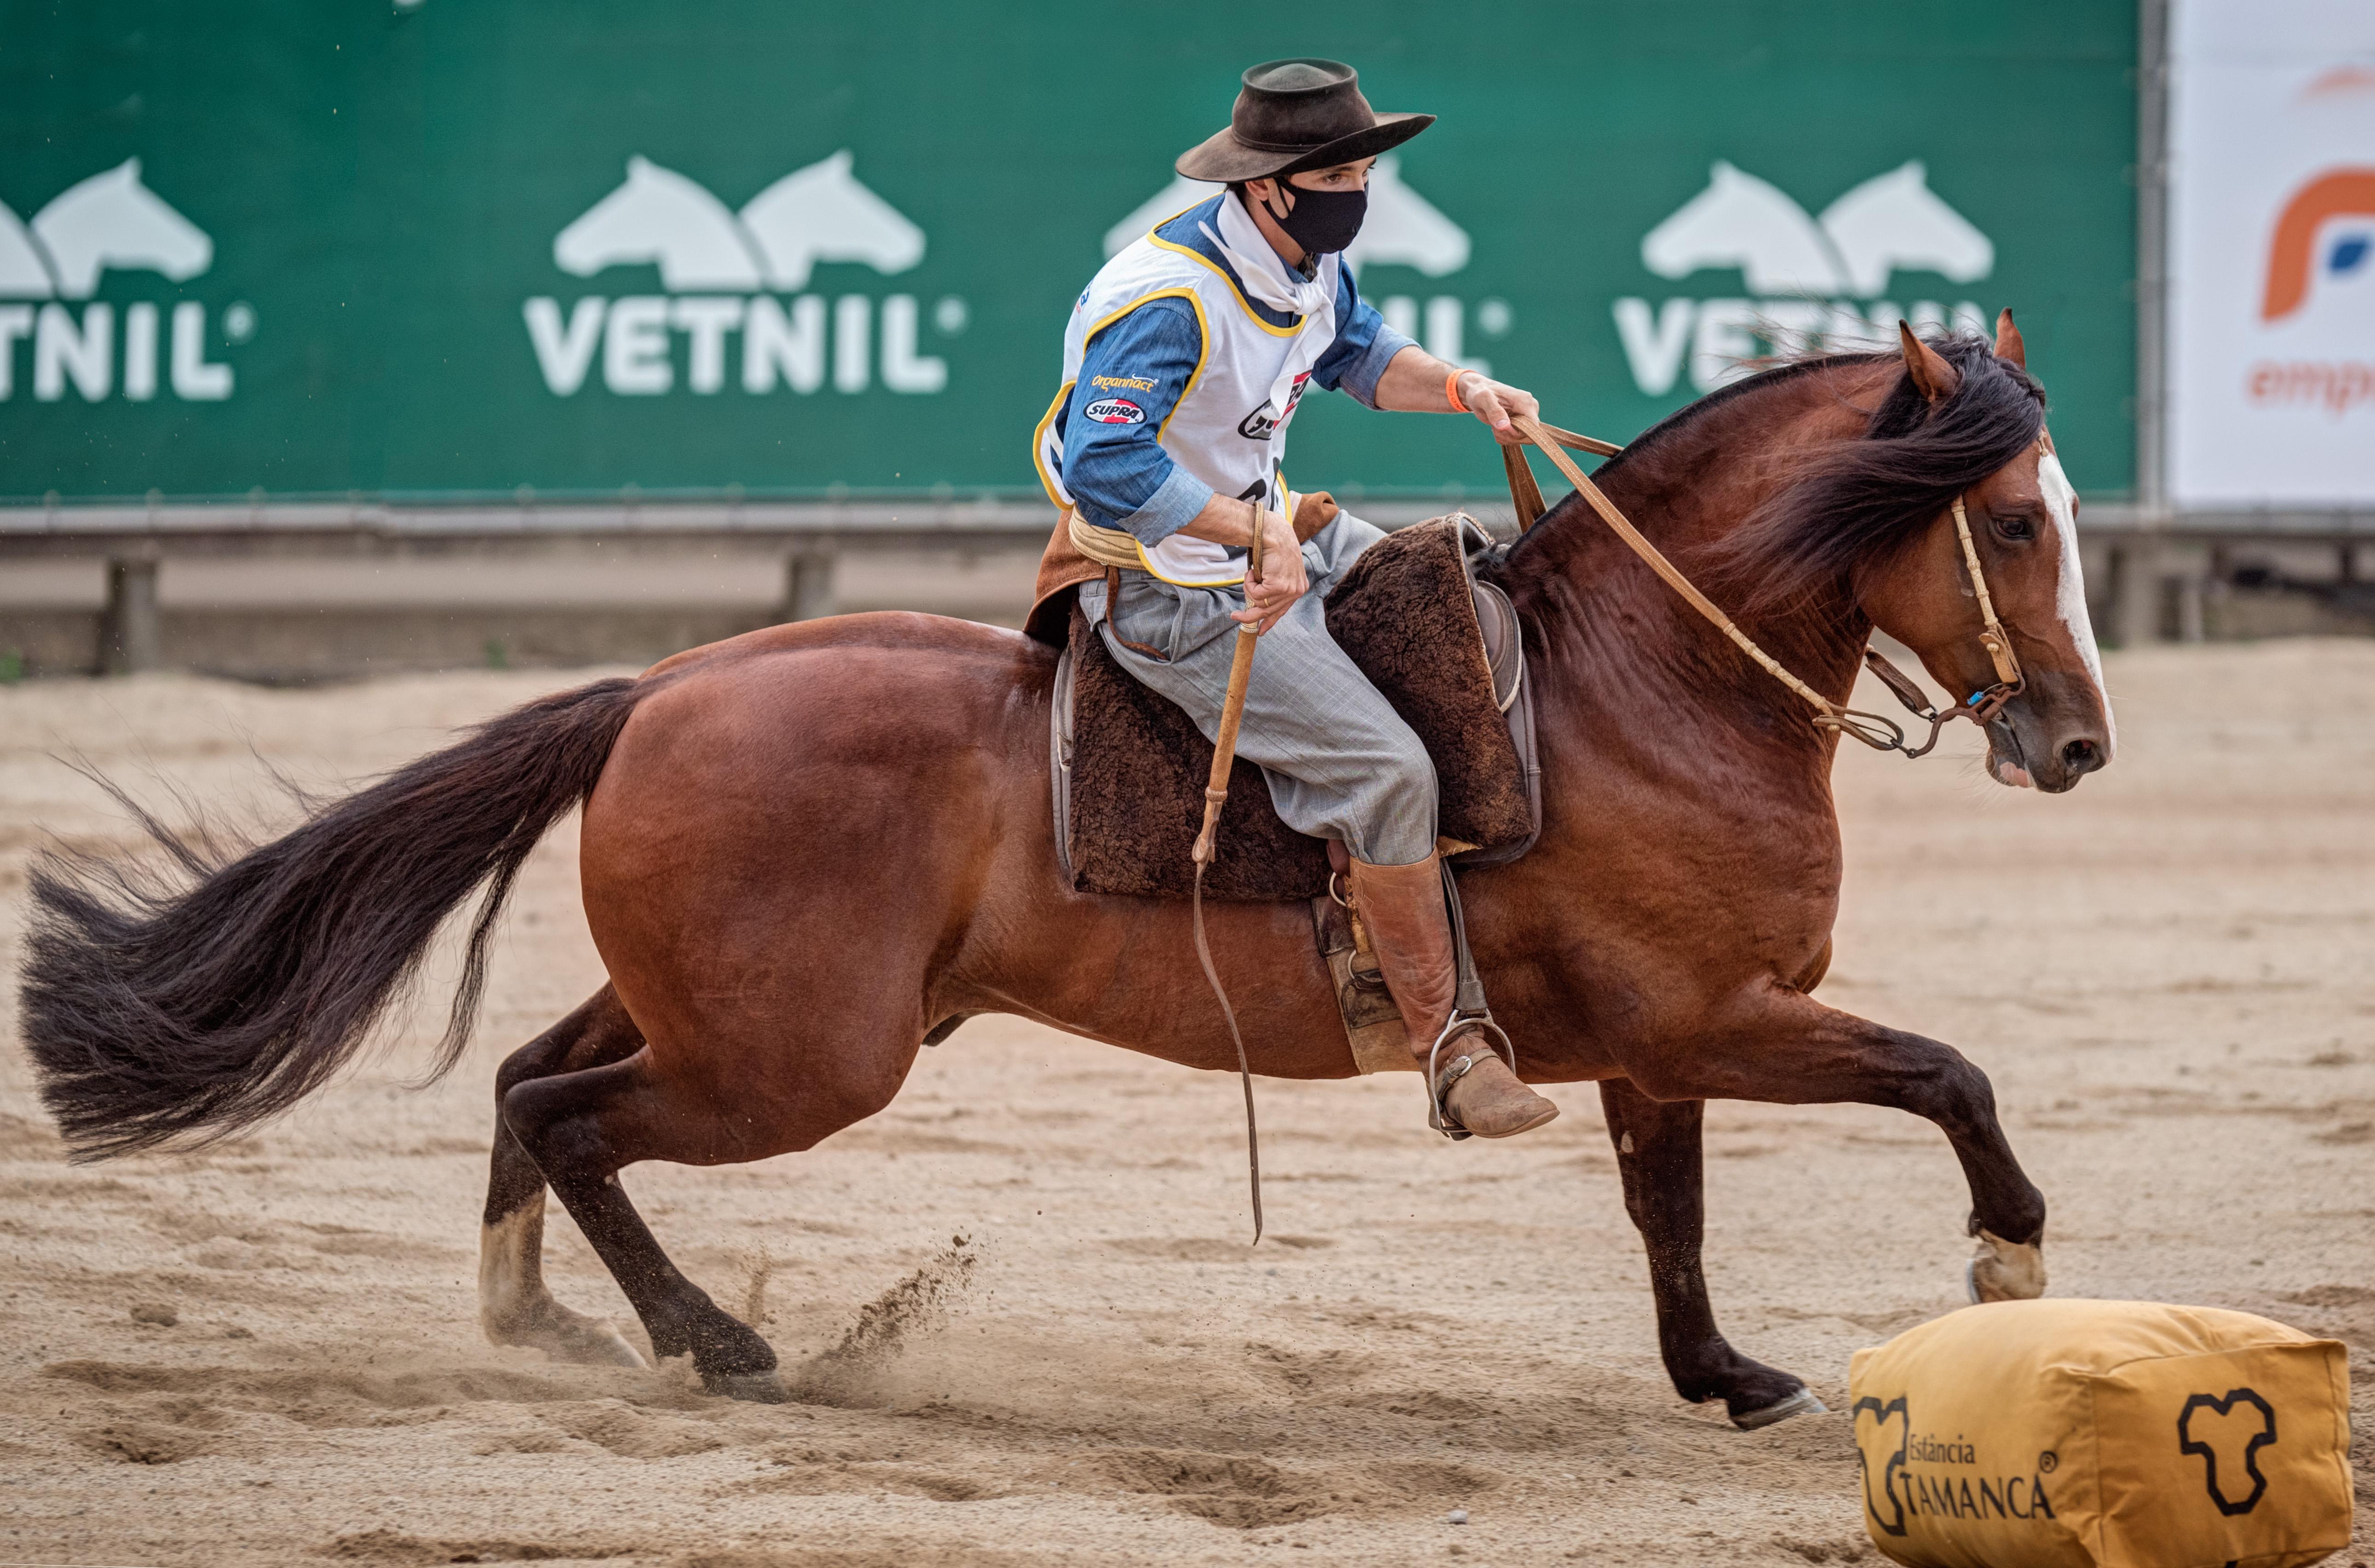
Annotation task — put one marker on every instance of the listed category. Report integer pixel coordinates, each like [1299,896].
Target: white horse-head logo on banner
[1895,220]
[658,215]
[818,213]
[1892,221]
[822,213]
[110,220]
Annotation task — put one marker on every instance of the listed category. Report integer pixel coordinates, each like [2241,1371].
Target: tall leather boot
[1402,908]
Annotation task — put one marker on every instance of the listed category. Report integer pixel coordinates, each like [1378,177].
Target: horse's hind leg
[581,1128]
[1658,1154]
[515,1306]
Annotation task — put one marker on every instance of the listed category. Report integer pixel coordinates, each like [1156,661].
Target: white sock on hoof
[514,1307]
[2006,1271]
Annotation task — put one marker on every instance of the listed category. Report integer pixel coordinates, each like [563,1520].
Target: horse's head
[2023,522]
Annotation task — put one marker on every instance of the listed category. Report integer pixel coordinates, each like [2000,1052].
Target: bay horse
[809,851]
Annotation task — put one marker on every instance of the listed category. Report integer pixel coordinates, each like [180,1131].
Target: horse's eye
[2016,527]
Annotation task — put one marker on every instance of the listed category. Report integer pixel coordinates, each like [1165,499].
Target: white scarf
[1263,275]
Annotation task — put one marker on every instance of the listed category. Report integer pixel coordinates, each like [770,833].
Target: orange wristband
[1452,393]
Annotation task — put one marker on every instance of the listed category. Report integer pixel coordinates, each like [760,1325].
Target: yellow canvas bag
[2103,1434]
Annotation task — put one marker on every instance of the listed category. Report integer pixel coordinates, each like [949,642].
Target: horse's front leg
[1658,1153]
[1781,1046]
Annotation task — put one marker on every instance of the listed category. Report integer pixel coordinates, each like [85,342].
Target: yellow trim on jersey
[1172,219]
[1039,446]
[1222,273]
[1203,353]
[1203,358]
[1146,564]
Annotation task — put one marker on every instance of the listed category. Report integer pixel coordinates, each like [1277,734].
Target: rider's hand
[1495,402]
[1282,582]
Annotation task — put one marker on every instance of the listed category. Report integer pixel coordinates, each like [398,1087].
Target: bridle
[1875,730]
[1981,706]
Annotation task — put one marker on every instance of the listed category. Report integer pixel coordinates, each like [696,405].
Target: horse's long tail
[181,1010]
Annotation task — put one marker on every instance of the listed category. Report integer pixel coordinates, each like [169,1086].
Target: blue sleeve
[1365,344]
[1132,375]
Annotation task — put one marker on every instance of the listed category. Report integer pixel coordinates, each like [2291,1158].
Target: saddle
[1444,648]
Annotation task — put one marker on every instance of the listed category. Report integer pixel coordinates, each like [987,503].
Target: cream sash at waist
[1118,546]
[1107,546]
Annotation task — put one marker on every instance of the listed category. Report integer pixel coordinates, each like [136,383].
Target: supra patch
[1115,411]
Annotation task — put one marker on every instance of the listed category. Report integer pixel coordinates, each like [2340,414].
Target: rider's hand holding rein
[1418,382]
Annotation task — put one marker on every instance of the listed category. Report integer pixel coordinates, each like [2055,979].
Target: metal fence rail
[2144,550]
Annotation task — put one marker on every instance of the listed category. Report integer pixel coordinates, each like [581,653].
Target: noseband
[1982,705]
[1875,730]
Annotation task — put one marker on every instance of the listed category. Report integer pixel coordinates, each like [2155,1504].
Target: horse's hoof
[757,1388]
[1801,1403]
[2004,1271]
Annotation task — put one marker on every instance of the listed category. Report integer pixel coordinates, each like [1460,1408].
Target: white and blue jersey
[1177,386]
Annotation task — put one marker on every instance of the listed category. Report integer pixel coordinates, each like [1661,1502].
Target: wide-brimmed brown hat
[1297,114]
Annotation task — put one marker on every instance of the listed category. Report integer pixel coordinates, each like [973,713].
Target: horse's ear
[2008,343]
[1933,376]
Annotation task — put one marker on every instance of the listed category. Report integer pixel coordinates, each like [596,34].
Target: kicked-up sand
[1021,1297]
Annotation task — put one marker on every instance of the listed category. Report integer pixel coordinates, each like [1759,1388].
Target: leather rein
[1875,730]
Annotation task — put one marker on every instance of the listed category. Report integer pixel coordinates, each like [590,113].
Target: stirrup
[1438,1090]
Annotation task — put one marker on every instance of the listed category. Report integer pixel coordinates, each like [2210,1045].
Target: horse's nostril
[2081,757]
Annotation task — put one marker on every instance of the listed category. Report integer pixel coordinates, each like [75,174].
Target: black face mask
[1323,221]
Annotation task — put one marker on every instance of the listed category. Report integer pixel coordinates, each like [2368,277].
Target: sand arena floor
[269,1353]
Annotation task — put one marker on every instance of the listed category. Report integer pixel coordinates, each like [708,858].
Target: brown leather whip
[1216,791]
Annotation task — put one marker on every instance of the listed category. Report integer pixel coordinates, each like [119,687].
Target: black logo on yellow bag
[1873,1444]
[1936,1474]
[2231,1434]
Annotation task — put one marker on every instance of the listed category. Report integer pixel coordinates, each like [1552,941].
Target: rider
[1184,361]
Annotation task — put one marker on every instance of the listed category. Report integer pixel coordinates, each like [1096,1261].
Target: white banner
[2272,254]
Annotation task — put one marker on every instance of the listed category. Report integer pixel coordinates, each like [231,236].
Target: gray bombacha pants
[1340,761]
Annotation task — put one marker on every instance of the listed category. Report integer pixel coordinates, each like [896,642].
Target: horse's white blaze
[2070,592]
[514,1308]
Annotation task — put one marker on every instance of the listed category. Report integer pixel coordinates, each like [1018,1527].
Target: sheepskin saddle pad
[1444,649]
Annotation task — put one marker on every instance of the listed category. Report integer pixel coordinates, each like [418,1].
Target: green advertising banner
[725,247]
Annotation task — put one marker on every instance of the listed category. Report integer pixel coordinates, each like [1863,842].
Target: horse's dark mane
[1648,440]
[1861,500]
